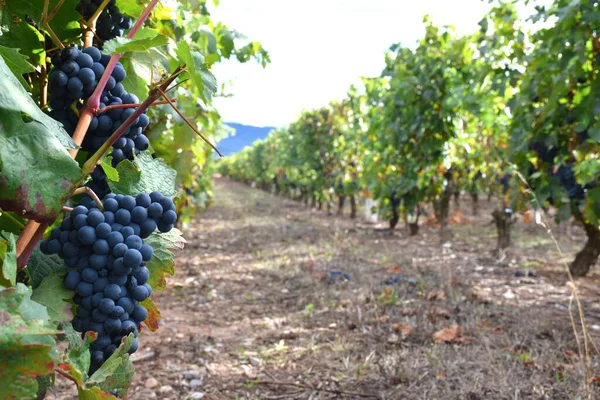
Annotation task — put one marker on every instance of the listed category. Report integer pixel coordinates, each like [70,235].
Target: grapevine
[88,207]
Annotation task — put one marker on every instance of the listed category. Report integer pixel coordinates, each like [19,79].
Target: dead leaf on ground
[439,313]
[319,276]
[308,267]
[402,329]
[394,269]
[383,319]
[458,218]
[450,335]
[441,375]
[436,295]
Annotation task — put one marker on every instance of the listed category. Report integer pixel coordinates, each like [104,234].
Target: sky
[318,48]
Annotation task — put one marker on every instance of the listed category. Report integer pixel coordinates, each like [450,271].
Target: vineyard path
[256,310]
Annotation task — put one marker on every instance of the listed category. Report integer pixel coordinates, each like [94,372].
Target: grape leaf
[8,259]
[94,393]
[10,222]
[79,356]
[41,265]
[36,171]
[110,171]
[144,175]
[53,294]
[141,69]
[131,7]
[162,262]
[65,23]
[26,343]
[205,81]
[17,63]
[153,314]
[117,371]
[139,44]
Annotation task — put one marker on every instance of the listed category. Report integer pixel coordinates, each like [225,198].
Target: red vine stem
[33,230]
[90,164]
[188,122]
[115,106]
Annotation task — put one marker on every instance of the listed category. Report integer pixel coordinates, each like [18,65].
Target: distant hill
[244,136]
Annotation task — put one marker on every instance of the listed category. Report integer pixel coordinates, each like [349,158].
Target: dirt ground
[256,310]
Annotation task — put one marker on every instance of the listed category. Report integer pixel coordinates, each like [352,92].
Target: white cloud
[319,48]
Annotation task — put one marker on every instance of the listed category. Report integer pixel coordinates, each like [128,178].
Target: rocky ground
[261,308]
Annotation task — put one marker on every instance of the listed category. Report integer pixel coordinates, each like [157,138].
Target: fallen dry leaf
[402,329]
[394,269]
[436,295]
[450,335]
[458,218]
[441,375]
[384,319]
[319,276]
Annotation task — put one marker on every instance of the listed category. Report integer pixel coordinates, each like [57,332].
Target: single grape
[87,235]
[155,210]
[112,291]
[169,217]
[123,216]
[72,279]
[147,252]
[85,289]
[89,275]
[139,313]
[134,242]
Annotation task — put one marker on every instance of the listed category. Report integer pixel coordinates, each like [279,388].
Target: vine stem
[188,122]
[116,106]
[33,231]
[155,93]
[90,25]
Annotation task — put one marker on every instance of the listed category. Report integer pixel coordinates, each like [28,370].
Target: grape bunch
[74,76]
[111,22]
[107,254]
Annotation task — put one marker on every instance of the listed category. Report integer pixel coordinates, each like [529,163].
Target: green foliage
[26,343]
[36,171]
[38,175]
[144,175]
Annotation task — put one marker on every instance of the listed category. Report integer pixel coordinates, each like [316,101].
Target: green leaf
[144,175]
[41,265]
[111,172]
[131,7]
[141,68]
[53,294]
[36,171]
[79,355]
[26,344]
[17,63]
[10,222]
[117,371]
[139,44]
[94,393]
[204,80]
[8,259]
[162,262]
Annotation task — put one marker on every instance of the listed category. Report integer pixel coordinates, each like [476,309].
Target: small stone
[192,374]
[165,389]
[195,383]
[151,383]
[255,361]
[393,338]
[196,395]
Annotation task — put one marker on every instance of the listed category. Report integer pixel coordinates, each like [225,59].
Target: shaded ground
[250,313]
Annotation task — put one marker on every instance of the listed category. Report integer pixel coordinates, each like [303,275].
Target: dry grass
[250,312]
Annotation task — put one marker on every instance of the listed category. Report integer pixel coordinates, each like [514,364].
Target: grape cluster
[111,22]
[74,76]
[107,254]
